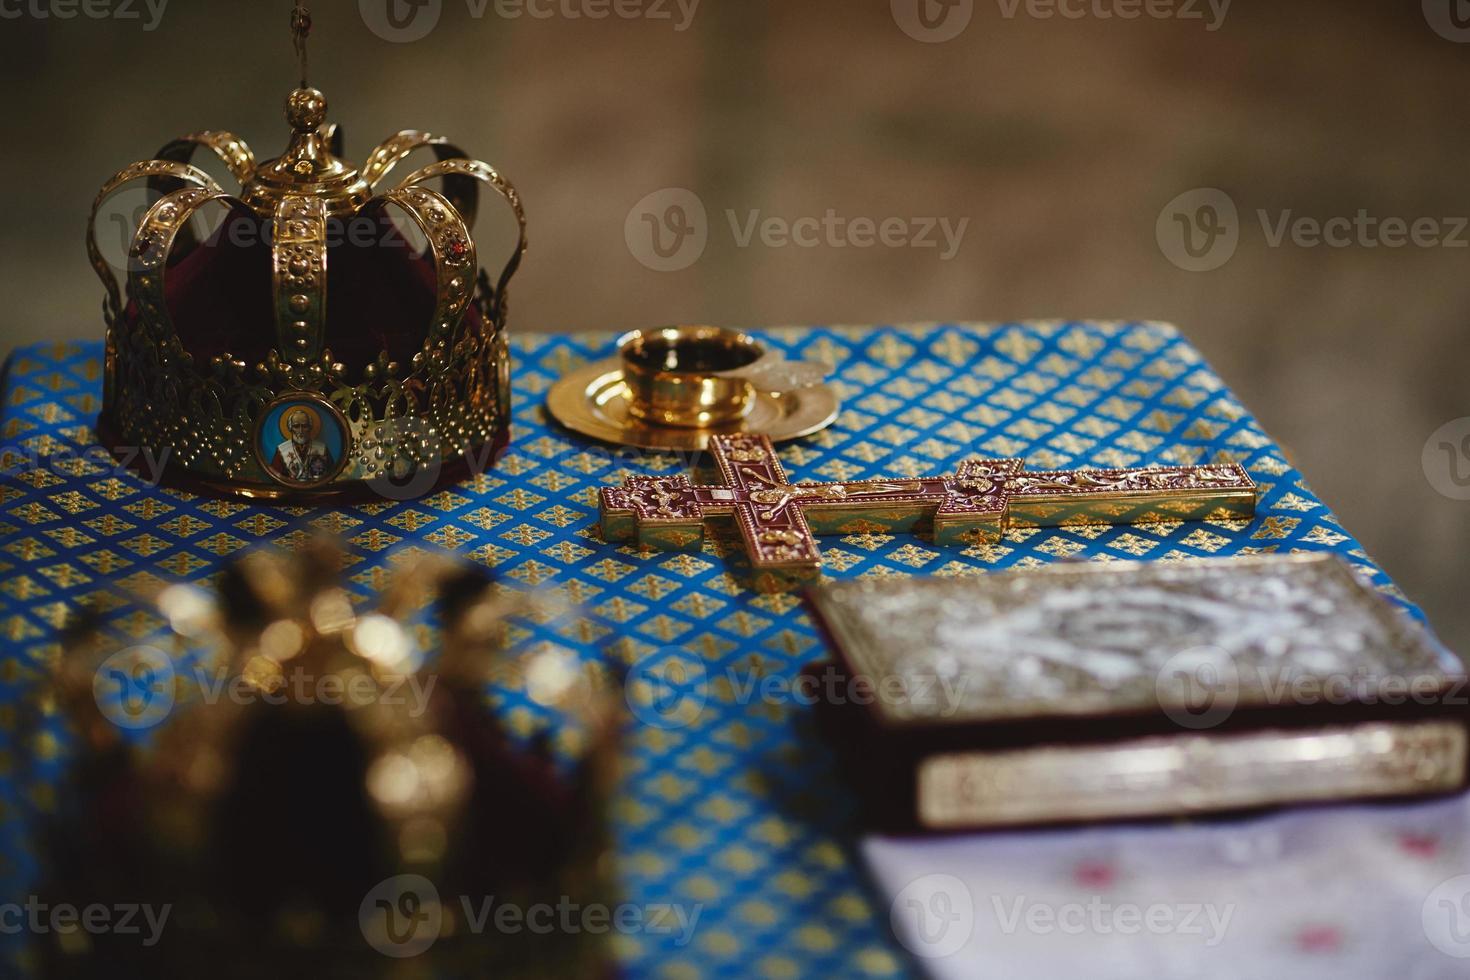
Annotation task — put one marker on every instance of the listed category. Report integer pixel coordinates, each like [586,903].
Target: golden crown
[306,762]
[406,381]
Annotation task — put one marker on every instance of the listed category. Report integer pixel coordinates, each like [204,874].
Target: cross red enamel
[778,520]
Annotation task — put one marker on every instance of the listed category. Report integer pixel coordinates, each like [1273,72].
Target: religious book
[1093,692]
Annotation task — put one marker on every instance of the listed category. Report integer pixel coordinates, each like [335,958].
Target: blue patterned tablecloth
[739,812]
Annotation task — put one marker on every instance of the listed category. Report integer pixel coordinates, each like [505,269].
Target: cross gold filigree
[779,520]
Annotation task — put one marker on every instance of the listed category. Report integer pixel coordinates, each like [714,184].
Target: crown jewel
[214,345]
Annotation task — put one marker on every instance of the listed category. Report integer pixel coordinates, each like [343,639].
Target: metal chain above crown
[298,422]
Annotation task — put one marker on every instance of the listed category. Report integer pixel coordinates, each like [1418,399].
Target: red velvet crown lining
[380,294]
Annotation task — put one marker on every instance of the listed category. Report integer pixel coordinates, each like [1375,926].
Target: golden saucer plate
[593,400]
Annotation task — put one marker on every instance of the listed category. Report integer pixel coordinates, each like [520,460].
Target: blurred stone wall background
[1063,140]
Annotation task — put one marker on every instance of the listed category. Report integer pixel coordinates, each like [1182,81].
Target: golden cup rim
[699,397]
[734,339]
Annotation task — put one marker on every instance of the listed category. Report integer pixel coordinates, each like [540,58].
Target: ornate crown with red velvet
[307,346]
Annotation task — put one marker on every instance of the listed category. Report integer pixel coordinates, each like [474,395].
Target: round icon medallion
[302,441]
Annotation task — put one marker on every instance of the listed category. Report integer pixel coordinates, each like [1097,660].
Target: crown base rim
[454,469]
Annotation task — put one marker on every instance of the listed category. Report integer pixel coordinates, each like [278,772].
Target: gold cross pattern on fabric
[779,520]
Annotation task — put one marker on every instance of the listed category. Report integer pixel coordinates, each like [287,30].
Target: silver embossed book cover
[1095,692]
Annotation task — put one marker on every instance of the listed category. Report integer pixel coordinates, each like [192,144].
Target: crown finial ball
[306,109]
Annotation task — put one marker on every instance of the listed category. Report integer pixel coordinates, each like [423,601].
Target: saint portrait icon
[301,441]
[302,458]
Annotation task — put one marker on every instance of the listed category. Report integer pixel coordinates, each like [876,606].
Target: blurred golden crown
[304,762]
[402,375]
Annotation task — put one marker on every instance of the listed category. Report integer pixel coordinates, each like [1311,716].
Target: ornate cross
[778,519]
